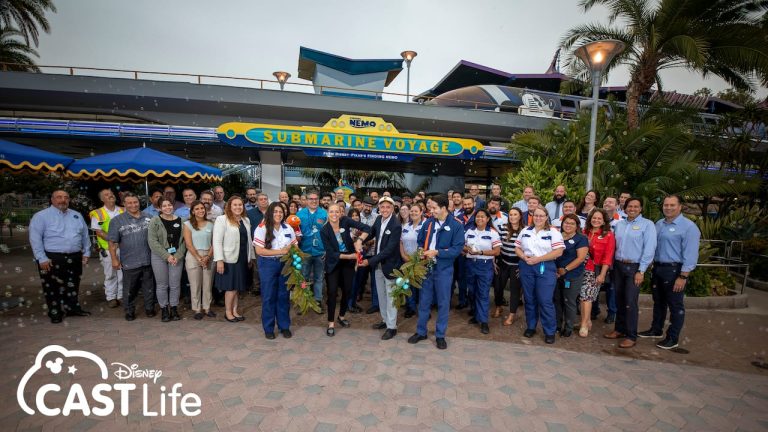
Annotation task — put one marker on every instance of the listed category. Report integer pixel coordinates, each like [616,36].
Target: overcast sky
[250,38]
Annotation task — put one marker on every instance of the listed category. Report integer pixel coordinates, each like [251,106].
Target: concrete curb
[738,301]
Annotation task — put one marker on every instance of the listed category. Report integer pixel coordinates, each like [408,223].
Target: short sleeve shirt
[284,236]
[541,243]
[572,246]
[482,240]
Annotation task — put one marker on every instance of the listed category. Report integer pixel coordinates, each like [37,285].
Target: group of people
[555,257]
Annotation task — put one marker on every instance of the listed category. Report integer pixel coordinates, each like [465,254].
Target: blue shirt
[152,211]
[182,212]
[572,246]
[678,242]
[522,205]
[53,231]
[635,241]
[311,223]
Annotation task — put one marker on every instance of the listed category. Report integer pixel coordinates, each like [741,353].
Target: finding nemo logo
[348,133]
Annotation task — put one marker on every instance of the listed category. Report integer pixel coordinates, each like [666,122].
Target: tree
[738,96]
[15,52]
[726,38]
[26,16]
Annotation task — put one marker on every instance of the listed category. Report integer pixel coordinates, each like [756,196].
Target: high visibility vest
[101,215]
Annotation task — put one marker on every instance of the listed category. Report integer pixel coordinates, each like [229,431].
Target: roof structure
[310,58]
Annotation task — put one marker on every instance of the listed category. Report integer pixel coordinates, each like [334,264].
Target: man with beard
[250,198]
[467,219]
[555,207]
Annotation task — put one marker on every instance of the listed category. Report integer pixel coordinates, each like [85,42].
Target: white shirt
[500,220]
[284,236]
[482,240]
[410,236]
[541,243]
[384,223]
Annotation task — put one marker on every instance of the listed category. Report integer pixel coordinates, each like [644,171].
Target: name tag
[471,236]
[486,237]
[171,250]
[288,235]
[571,241]
[547,238]
[635,227]
[526,235]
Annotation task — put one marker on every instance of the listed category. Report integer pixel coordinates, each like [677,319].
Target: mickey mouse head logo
[55,365]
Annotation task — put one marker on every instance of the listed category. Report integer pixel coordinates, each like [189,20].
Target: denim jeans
[313,270]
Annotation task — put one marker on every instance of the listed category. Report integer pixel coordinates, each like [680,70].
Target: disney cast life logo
[58,364]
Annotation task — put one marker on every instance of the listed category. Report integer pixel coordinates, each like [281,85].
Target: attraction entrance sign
[349,136]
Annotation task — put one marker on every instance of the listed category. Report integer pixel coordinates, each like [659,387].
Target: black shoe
[56,320]
[286,333]
[461,306]
[667,344]
[240,318]
[269,336]
[166,314]
[529,333]
[355,309]
[550,339]
[150,312]
[233,320]
[650,334]
[472,320]
[330,331]
[415,338]
[344,323]
[211,314]
[372,309]
[379,325]
[198,316]
[175,313]
[484,328]
[409,313]
[389,334]
[130,316]
[566,333]
[441,343]
[78,312]
[610,319]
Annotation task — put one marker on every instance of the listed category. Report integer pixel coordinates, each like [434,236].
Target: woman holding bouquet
[273,239]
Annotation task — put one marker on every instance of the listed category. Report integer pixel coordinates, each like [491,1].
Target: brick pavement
[356,382]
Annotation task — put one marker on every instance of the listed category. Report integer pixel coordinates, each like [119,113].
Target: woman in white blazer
[232,253]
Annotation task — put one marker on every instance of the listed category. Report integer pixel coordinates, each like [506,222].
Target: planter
[757,284]
[736,301]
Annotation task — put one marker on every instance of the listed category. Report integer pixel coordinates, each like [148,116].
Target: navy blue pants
[479,278]
[538,291]
[665,298]
[413,300]
[627,294]
[437,285]
[460,276]
[274,295]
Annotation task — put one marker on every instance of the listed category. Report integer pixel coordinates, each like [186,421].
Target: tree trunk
[640,82]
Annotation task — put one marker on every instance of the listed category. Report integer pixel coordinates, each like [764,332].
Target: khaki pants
[200,281]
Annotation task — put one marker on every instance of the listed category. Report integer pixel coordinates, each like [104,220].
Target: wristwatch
[683,277]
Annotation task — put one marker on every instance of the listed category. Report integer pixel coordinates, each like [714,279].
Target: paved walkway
[356,382]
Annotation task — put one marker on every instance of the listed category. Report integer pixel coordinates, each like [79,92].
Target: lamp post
[408,57]
[282,77]
[596,55]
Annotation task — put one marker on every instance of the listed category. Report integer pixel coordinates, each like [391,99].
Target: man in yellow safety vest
[113,279]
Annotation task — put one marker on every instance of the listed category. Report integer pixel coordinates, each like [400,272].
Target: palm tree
[726,38]
[26,16]
[14,54]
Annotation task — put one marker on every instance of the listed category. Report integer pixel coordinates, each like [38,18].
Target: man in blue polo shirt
[677,252]
[635,247]
[312,219]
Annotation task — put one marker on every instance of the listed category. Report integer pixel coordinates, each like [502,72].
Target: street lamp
[408,57]
[282,77]
[596,55]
